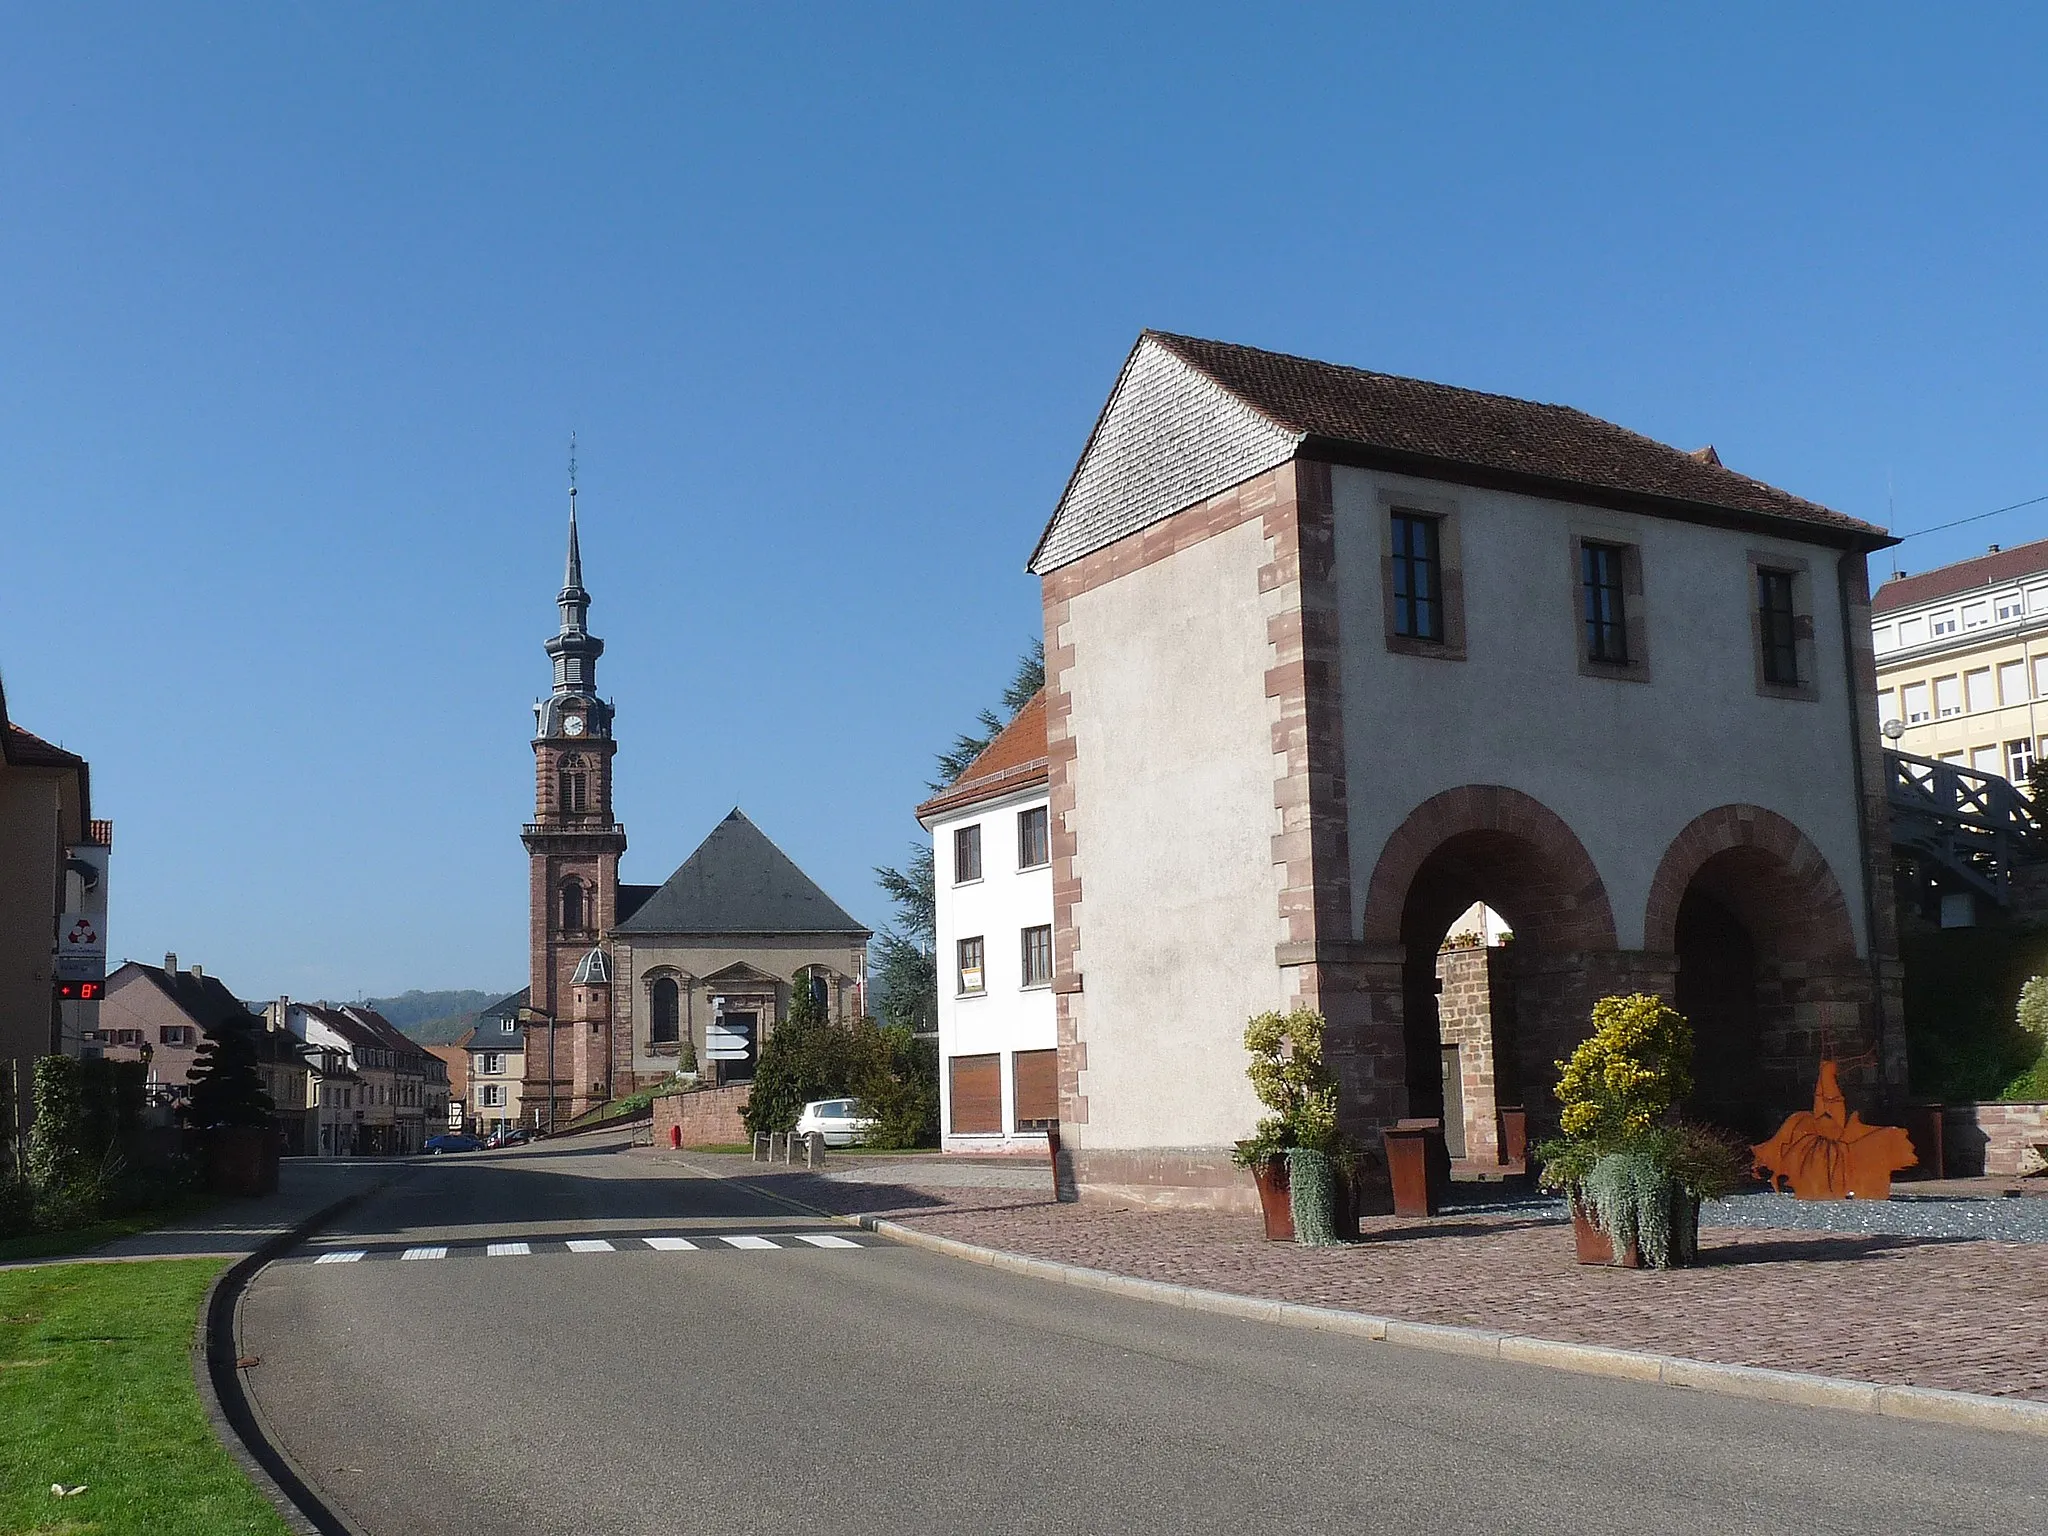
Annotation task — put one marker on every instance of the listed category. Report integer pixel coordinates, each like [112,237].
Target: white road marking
[507,1250]
[590,1245]
[748,1242]
[425,1253]
[825,1240]
[670,1244]
[340,1258]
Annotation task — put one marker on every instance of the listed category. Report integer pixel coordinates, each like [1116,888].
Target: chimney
[198,970]
[171,962]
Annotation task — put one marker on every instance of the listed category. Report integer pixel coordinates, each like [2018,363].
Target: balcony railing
[585,826]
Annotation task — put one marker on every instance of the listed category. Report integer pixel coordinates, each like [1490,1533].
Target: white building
[1331,655]
[1962,660]
[992,875]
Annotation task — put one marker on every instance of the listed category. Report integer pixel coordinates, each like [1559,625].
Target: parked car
[842,1122]
[511,1136]
[454,1141]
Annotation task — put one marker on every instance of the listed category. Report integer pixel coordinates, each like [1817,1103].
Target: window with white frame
[1037,956]
[1943,624]
[1984,759]
[1913,699]
[1033,846]
[1887,705]
[492,1064]
[1977,689]
[2037,599]
[1912,632]
[2012,683]
[491,1096]
[2019,760]
[1948,697]
[1882,637]
[973,978]
[1976,615]
[2010,606]
[966,854]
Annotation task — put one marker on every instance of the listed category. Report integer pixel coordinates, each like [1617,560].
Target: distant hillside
[434,1018]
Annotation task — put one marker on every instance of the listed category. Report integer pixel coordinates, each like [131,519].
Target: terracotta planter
[1419,1166]
[1270,1174]
[1593,1246]
[1514,1136]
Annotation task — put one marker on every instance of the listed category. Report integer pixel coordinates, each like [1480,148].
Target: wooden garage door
[1035,1076]
[977,1094]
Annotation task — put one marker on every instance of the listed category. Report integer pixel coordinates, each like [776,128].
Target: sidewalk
[1943,1312]
[235,1228]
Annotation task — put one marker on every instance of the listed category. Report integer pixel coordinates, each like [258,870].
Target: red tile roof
[1516,439]
[28,750]
[1015,759]
[1988,570]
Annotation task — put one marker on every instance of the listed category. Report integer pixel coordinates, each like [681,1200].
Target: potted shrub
[1305,1168]
[1633,1175]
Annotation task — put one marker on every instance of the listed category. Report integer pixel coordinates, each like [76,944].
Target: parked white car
[839,1121]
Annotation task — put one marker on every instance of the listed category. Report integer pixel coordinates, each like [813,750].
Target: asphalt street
[573,1339]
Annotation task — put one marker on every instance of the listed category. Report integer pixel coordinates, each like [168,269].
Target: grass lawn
[96,1388]
[52,1245]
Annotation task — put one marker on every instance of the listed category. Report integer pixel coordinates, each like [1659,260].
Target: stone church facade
[623,975]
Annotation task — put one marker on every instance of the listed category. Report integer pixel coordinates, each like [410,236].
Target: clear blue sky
[299,304]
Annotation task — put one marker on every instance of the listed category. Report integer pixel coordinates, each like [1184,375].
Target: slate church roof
[1190,418]
[739,882]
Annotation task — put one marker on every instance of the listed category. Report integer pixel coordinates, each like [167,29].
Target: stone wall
[1995,1139]
[708,1118]
[1464,1011]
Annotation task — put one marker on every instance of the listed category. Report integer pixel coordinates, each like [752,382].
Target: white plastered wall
[1174,819]
[1625,764]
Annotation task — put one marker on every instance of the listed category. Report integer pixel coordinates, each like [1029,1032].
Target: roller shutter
[1035,1076]
[977,1092]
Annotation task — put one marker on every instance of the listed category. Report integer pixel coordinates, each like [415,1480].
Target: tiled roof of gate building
[1409,425]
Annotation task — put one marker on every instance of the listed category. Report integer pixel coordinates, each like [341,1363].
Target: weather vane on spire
[572,464]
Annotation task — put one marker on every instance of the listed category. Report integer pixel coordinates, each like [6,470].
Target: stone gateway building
[624,975]
[1331,655]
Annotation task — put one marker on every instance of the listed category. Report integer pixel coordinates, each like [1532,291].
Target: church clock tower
[574,846]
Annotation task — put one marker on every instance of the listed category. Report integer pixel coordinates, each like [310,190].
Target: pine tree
[227,1087]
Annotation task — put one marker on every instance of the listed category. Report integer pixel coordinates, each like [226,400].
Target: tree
[227,1087]
[804,1059]
[896,1077]
[1028,679]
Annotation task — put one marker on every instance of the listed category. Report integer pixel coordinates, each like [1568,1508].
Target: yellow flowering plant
[1288,1074]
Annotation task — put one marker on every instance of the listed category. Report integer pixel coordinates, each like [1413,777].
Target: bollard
[814,1148]
[762,1150]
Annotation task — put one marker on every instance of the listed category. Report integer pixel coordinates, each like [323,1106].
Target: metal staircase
[1967,826]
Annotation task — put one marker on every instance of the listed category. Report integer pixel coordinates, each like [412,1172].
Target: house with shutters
[496,1048]
[992,886]
[1332,655]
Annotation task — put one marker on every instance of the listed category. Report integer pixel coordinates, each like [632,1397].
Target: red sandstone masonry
[708,1118]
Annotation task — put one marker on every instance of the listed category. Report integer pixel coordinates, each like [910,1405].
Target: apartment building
[992,866]
[1962,660]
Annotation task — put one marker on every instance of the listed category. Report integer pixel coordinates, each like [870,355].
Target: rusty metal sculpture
[1830,1154]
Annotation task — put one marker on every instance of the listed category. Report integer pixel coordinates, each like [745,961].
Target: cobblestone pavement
[1963,1315]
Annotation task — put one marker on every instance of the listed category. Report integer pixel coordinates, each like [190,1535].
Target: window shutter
[977,1095]
[1036,1087]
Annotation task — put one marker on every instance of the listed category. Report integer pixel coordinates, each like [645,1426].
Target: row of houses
[344,1081]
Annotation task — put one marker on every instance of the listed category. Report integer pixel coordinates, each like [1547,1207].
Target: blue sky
[299,304]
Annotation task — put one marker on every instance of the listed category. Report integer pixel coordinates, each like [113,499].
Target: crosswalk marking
[670,1244]
[434,1252]
[520,1248]
[507,1250]
[748,1242]
[340,1258]
[825,1240]
[590,1245]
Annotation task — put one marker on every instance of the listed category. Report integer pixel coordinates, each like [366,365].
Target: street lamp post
[529,1016]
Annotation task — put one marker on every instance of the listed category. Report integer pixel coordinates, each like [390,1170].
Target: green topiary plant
[1288,1075]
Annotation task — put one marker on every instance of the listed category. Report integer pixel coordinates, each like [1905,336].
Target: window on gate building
[1778,628]
[666,1011]
[1606,624]
[1418,577]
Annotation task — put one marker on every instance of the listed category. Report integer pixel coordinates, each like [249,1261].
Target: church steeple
[574,651]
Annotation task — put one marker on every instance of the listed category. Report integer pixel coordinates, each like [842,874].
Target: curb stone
[1925,1405]
[230,1410]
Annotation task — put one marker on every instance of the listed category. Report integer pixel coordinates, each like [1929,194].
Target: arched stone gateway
[1516,1008]
[1767,967]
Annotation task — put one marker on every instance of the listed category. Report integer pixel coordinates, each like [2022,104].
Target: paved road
[780,1386]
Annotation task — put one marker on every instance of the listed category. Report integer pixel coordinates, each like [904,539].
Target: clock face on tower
[573,726]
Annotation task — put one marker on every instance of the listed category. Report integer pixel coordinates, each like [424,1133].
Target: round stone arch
[1767,968]
[1479,1029]
[666,1006]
